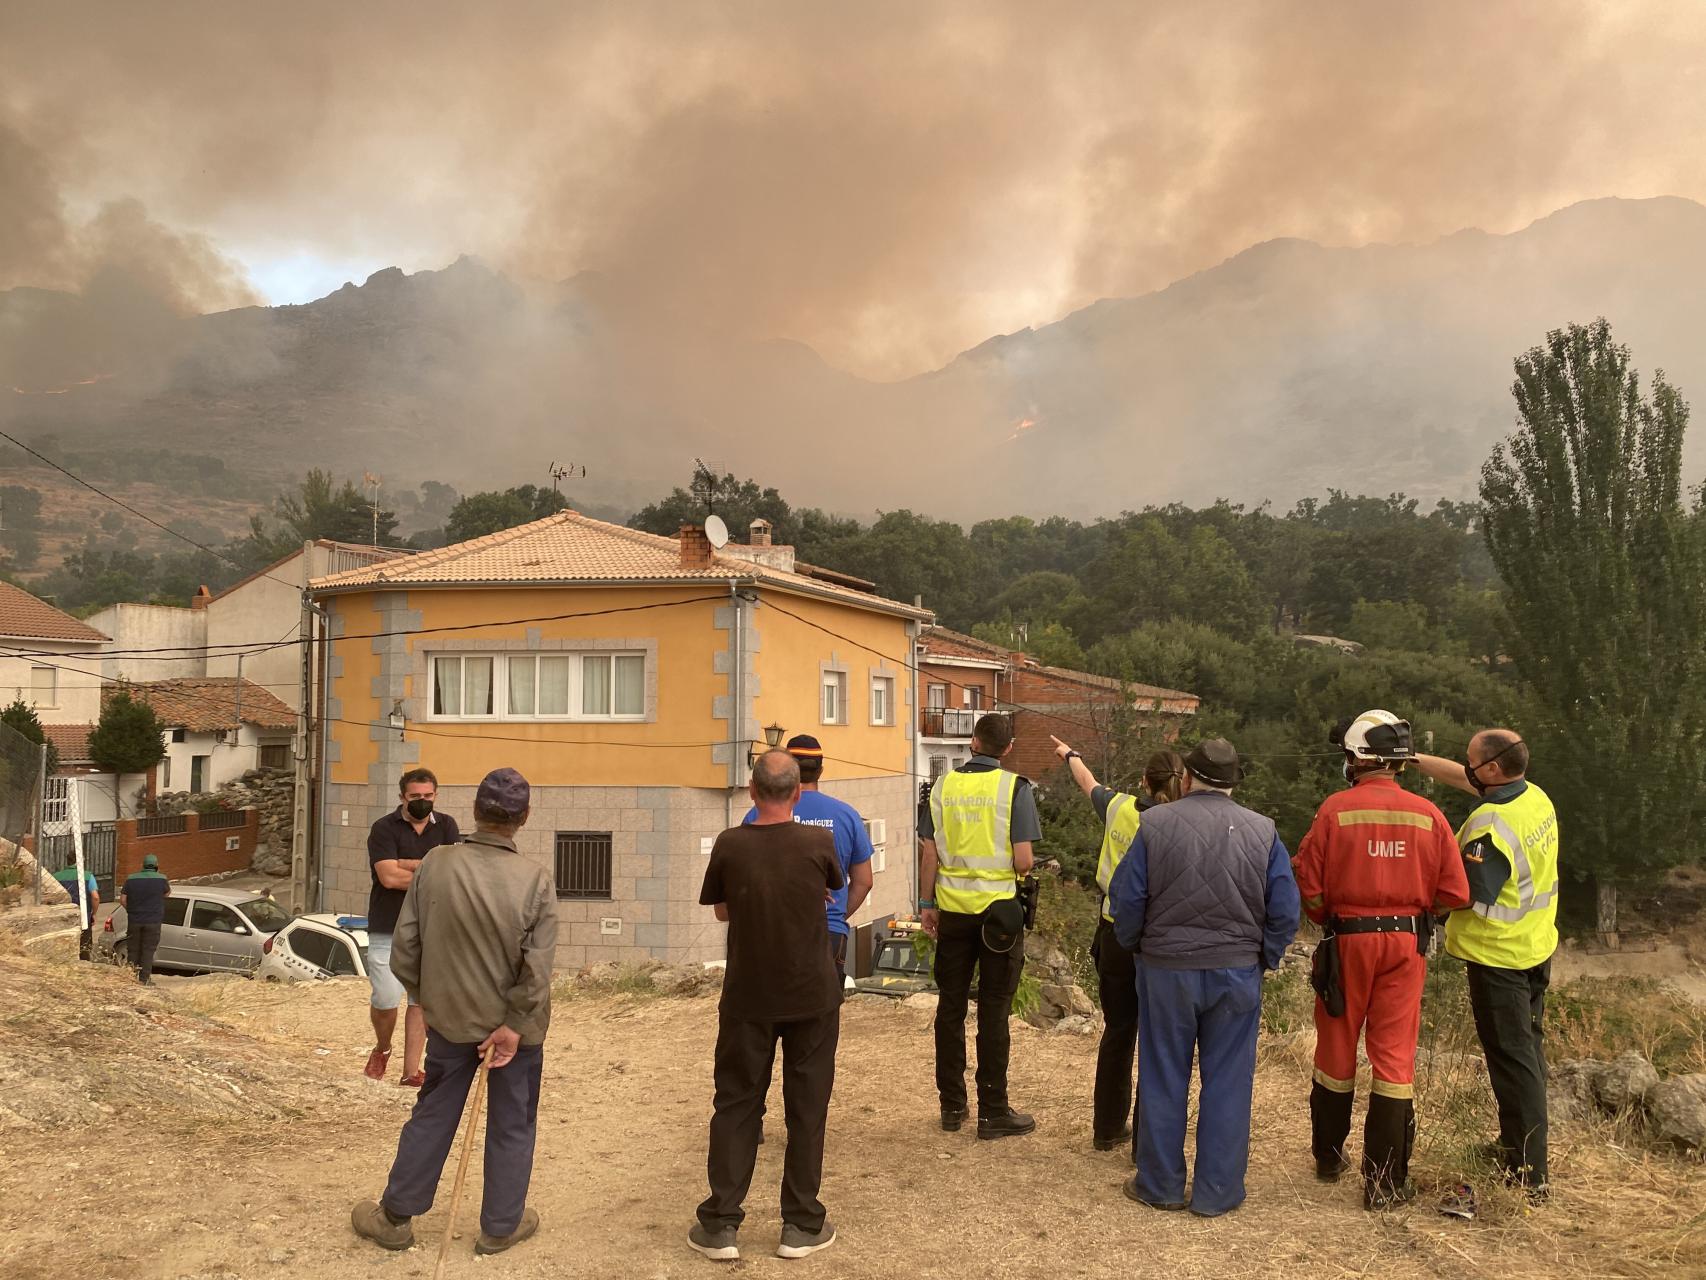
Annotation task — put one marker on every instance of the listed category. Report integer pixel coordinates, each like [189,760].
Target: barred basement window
[583,864]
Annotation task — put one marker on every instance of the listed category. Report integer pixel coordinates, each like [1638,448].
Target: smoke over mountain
[887,182]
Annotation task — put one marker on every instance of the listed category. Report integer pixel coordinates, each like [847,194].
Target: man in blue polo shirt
[143,898]
[81,892]
[852,845]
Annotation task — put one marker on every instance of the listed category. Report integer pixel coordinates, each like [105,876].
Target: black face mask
[1481,788]
[419,809]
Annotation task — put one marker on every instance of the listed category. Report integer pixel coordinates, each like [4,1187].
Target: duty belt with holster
[1324,974]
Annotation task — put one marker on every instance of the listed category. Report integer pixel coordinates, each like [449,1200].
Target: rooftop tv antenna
[367,477]
[706,485]
[559,473]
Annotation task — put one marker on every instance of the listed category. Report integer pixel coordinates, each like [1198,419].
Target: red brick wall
[194,852]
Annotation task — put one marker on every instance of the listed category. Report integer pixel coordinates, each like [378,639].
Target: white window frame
[832,678]
[883,685]
[51,692]
[501,713]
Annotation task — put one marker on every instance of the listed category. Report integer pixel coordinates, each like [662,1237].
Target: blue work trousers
[1211,1015]
[512,1112]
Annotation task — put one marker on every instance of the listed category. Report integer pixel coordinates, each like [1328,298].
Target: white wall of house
[63,690]
[152,626]
[96,795]
[224,757]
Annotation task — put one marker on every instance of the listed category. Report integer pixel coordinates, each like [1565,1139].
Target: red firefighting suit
[1381,858]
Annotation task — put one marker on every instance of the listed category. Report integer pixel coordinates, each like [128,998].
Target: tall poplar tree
[1603,565]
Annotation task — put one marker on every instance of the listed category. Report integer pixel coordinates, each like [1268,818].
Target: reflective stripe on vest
[1520,930]
[1124,818]
[973,816]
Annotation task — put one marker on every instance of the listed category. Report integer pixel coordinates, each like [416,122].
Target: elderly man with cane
[475,942]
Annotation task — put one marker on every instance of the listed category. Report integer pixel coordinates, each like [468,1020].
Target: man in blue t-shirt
[86,891]
[852,845]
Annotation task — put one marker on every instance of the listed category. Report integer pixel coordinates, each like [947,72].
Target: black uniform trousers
[1508,1005]
[142,942]
[512,1116]
[960,952]
[746,1055]
[1116,982]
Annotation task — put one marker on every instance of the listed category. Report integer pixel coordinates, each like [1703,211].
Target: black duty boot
[1004,1124]
[1330,1125]
[1387,1139]
[952,1119]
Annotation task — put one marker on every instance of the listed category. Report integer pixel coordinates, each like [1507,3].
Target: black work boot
[1330,1125]
[952,1119]
[1006,1123]
[1387,1138]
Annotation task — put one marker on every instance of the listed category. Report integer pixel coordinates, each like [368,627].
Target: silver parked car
[207,929]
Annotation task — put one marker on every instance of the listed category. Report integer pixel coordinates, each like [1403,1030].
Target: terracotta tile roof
[202,704]
[70,740]
[24,617]
[569,548]
[1085,678]
[940,640]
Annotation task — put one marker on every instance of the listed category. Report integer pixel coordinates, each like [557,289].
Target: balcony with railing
[949,722]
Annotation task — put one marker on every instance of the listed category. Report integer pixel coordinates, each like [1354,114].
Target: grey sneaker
[497,1244]
[718,1246]
[371,1223]
[797,1242]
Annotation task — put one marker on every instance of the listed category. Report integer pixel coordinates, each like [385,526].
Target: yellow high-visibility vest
[1520,930]
[1123,819]
[973,815]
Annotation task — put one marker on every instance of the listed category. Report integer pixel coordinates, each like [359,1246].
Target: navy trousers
[1211,1015]
[512,1110]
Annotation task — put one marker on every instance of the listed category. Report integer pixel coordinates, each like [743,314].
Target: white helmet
[1379,735]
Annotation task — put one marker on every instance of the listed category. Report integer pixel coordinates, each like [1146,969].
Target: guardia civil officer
[1114,1111]
[1507,933]
[974,844]
[1376,865]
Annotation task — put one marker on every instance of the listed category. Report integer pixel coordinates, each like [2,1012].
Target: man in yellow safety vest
[1508,933]
[974,844]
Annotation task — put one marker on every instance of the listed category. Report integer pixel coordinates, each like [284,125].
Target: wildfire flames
[65,390]
[1021,426]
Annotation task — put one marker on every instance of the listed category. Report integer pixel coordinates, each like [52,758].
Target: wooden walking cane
[462,1165]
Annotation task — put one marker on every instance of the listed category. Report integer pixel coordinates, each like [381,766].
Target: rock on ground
[1676,1112]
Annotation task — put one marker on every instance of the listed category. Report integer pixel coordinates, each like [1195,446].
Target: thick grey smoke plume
[888,182]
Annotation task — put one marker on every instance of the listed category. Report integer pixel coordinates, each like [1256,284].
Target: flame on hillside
[1020,427]
[65,390]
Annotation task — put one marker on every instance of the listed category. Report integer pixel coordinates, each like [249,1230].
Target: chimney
[759,534]
[201,597]
[695,548]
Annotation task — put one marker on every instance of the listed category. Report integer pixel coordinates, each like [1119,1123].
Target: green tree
[319,508]
[128,738]
[737,502]
[1049,643]
[483,513]
[20,526]
[1604,571]
[21,717]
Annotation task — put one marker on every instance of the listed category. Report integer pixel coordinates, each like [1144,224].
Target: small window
[313,946]
[175,908]
[938,766]
[178,735]
[882,699]
[974,698]
[834,697]
[583,864]
[44,686]
[936,696]
[215,917]
[275,755]
[165,773]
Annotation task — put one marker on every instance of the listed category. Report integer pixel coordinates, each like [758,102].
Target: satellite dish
[716,531]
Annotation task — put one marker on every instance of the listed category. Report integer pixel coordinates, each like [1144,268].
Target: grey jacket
[476,940]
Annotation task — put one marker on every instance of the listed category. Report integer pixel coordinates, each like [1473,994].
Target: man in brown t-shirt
[769,879]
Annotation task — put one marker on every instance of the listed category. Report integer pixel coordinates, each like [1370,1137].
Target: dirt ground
[221,1128]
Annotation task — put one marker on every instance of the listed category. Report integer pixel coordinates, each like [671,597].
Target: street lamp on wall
[772,739]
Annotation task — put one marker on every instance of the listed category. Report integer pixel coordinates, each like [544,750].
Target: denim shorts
[387,991]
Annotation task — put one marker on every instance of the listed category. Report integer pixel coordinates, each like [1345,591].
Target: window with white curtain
[539,686]
[834,697]
[882,699]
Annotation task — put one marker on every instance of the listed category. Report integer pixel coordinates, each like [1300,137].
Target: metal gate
[100,839]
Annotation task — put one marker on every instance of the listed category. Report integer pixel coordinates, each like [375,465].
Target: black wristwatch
[1072,755]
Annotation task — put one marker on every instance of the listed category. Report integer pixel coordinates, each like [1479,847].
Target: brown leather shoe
[370,1223]
[497,1244]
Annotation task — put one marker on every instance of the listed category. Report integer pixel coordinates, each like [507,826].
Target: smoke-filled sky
[888,181]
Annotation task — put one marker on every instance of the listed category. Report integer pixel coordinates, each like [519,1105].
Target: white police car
[316,946]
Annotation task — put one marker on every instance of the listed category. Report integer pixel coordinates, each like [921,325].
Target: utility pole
[369,478]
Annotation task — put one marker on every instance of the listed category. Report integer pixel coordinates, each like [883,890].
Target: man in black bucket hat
[1205,898]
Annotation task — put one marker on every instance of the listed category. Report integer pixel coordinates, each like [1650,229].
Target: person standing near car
[396,846]
[1115,1106]
[976,844]
[474,945]
[852,844]
[143,898]
[80,892]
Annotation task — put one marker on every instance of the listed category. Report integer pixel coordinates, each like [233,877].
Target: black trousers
[1508,1005]
[746,1055]
[1116,983]
[960,953]
[142,942]
[512,1112]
